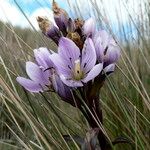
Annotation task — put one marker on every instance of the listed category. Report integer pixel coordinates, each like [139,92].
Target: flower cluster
[43,75]
[83,54]
[84,58]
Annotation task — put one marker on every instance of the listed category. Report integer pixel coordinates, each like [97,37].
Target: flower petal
[62,89]
[29,85]
[112,55]
[62,68]
[101,41]
[105,38]
[54,33]
[88,56]
[35,73]
[42,57]
[71,83]
[99,50]
[89,27]
[65,92]
[68,51]
[109,68]
[61,19]
[93,73]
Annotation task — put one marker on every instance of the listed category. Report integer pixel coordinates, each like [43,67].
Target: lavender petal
[38,57]
[88,56]
[70,83]
[95,71]
[109,68]
[54,33]
[89,27]
[42,57]
[112,55]
[101,41]
[68,51]
[62,89]
[99,49]
[35,73]
[105,38]
[62,68]
[61,21]
[29,85]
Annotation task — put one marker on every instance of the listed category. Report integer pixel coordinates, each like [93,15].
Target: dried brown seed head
[78,23]
[44,24]
[75,37]
[57,10]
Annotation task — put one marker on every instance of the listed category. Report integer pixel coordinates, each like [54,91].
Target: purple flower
[109,69]
[42,57]
[89,27]
[43,75]
[49,29]
[38,79]
[76,67]
[63,90]
[61,18]
[107,50]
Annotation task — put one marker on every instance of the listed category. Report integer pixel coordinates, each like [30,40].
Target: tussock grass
[39,121]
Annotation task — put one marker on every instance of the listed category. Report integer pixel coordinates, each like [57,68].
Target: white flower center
[78,74]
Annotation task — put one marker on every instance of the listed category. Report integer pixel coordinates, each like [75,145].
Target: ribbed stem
[97,113]
[94,111]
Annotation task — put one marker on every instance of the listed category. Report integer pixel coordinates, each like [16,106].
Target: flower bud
[89,27]
[61,18]
[106,48]
[78,26]
[75,37]
[49,29]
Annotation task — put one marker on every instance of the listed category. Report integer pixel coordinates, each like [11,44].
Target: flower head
[107,49]
[43,75]
[89,27]
[38,81]
[39,78]
[49,29]
[74,66]
[61,17]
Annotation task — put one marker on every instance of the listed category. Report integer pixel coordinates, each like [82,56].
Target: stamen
[78,74]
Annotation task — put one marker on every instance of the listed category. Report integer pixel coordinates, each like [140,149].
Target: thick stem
[93,103]
[96,111]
